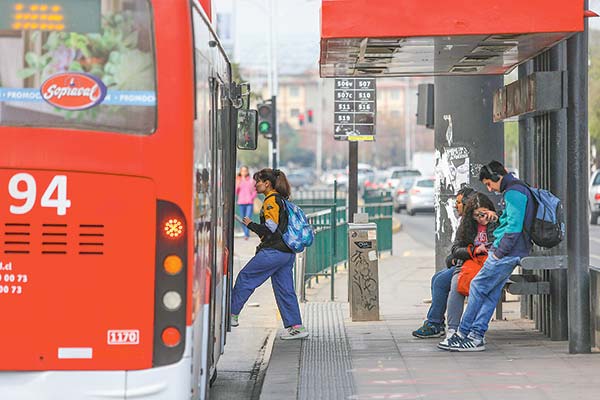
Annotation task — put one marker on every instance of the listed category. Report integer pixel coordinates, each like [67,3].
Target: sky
[296,26]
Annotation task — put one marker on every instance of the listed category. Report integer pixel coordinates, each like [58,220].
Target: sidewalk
[241,368]
[381,360]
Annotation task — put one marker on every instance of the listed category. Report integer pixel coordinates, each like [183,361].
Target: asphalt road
[421,228]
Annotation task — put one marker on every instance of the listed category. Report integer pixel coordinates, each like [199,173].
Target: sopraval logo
[73,91]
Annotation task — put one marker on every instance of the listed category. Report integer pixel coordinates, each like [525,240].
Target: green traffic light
[264,127]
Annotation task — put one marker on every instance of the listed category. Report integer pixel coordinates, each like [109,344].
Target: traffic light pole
[274,140]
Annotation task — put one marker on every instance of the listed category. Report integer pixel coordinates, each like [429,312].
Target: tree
[511,144]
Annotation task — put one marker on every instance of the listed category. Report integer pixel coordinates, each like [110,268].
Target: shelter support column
[558,165]
[526,166]
[465,139]
[577,210]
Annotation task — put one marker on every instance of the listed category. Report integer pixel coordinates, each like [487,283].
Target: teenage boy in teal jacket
[512,243]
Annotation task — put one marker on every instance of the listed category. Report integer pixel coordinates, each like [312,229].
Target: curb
[283,370]
[396,225]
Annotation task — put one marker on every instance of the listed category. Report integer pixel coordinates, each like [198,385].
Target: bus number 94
[22,186]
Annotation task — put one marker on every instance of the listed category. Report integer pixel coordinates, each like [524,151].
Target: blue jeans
[246,211]
[440,287]
[278,266]
[484,293]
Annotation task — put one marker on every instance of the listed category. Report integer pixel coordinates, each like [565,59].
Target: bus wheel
[213,378]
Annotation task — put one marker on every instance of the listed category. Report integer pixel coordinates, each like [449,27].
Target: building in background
[301,91]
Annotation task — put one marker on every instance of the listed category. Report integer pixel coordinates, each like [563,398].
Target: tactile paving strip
[325,363]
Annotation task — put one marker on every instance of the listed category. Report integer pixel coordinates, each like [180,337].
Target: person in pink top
[245,191]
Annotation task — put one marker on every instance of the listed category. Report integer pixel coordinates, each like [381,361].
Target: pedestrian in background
[273,258]
[245,191]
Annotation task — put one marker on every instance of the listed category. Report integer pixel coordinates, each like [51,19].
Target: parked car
[339,175]
[595,197]
[380,181]
[398,173]
[420,196]
[300,179]
[401,192]
[365,173]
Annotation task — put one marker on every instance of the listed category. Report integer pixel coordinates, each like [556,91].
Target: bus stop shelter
[473,40]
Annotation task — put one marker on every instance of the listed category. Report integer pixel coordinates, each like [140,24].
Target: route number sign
[354,109]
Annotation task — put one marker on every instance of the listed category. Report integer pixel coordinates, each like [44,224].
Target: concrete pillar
[465,139]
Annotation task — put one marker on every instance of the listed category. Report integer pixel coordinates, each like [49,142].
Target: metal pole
[335,189]
[407,137]
[577,212]
[319,122]
[275,134]
[332,225]
[525,162]
[352,180]
[270,84]
[275,76]
[558,185]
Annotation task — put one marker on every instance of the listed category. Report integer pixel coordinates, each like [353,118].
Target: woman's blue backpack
[299,233]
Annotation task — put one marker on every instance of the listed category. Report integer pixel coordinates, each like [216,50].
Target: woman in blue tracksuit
[273,257]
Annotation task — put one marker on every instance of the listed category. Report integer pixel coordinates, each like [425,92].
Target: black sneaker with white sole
[466,345]
[445,344]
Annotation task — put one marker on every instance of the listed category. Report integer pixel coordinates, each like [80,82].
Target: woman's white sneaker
[294,332]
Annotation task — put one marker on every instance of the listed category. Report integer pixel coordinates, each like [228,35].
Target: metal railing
[595,305]
[327,213]
[381,214]
[328,250]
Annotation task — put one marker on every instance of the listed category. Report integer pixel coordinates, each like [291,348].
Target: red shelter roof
[440,37]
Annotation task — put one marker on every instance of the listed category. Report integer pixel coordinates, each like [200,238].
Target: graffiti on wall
[453,171]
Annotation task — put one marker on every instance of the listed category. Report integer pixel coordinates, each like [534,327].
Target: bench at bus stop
[528,283]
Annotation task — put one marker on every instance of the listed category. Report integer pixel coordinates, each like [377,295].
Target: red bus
[116,181]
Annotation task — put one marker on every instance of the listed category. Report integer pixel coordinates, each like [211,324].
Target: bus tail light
[173,228]
[597,196]
[170,284]
[172,300]
[171,337]
[172,264]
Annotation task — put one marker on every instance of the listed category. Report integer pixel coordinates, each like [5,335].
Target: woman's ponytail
[281,184]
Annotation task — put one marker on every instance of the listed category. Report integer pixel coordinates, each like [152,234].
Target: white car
[399,173]
[595,197]
[401,192]
[420,196]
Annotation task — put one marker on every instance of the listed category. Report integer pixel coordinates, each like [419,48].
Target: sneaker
[234,320]
[429,330]
[294,332]
[444,343]
[467,344]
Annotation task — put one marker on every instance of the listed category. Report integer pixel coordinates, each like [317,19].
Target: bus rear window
[78,64]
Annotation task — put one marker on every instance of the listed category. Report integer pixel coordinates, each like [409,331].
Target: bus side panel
[203,209]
